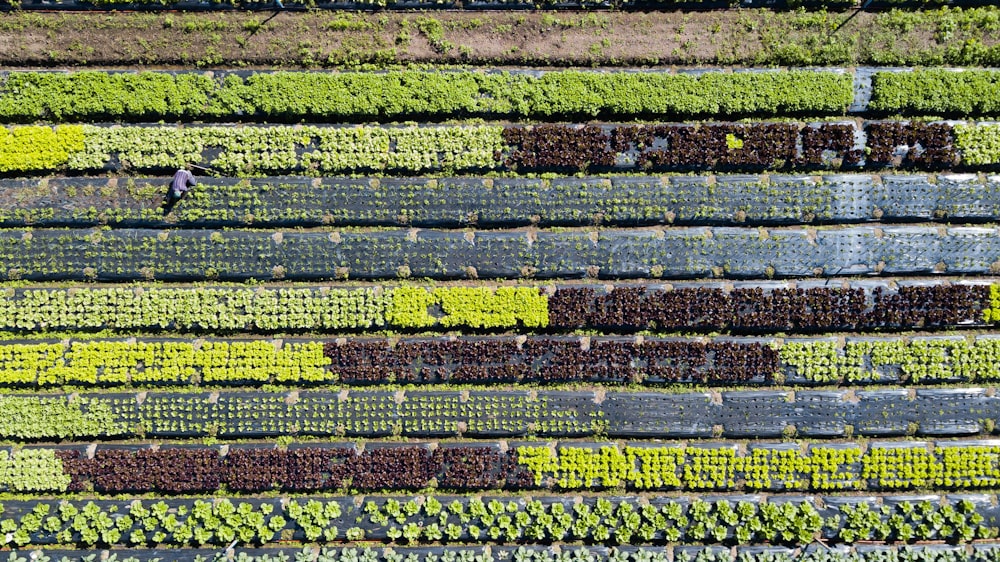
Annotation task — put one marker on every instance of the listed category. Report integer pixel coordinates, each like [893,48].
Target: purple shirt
[183,181]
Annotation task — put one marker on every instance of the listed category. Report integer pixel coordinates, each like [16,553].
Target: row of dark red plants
[750,310]
[765,145]
[550,360]
[257,469]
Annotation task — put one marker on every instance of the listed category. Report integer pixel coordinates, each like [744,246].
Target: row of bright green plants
[151,308]
[30,96]
[823,468]
[57,96]
[276,309]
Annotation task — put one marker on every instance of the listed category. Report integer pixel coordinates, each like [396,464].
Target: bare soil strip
[327,39]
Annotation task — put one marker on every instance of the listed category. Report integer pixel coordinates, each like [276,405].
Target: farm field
[488,281]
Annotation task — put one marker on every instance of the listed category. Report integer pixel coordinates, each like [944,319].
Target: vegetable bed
[682,253]
[478,466]
[498,413]
[502,360]
[397,95]
[258,150]
[598,520]
[452,202]
[746,307]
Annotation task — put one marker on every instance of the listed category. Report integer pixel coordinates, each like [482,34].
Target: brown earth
[328,39]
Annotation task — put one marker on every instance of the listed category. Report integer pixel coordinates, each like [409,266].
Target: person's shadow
[169,202]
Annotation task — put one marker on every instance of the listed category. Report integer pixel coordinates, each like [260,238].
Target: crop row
[510,413]
[651,360]
[115,363]
[882,466]
[876,360]
[252,149]
[256,150]
[980,552]
[937,91]
[682,253]
[368,361]
[228,309]
[511,520]
[400,95]
[252,469]
[503,202]
[782,308]
[408,95]
[474,466]
[491,360]
[746,308]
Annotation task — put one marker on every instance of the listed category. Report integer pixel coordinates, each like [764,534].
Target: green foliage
[28,96]
[25,364]
[709,468]
[917,360]
[241,309]
[979,145]
[937,91]
[260,361]
[482,307]
[617,522]
[907,522]
[992,314]
[563,93]
[687,554]
[193,523]
[32,417]
[408,307]
[954,466]
[197,522]
[32,470]
[252,150]
[475,307]
[715,94]
[34,148]
[578,467]
[194,309]
[121,362]
[814,361]
[272,412]
[822,469]
[315,517]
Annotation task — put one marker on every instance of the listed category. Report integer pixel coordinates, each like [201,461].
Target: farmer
[182,183]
